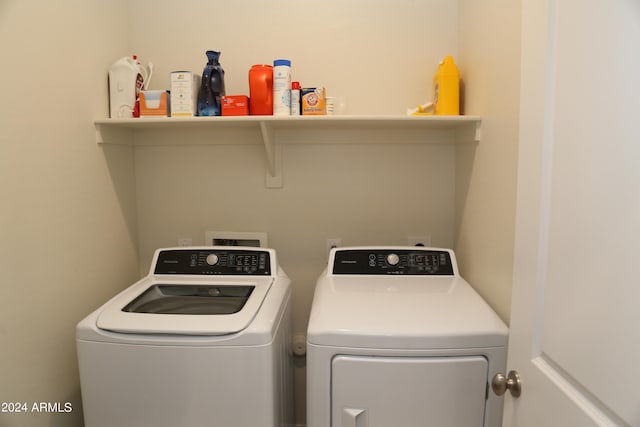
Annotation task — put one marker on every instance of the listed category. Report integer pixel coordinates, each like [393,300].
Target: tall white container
[281,87]
[126,79]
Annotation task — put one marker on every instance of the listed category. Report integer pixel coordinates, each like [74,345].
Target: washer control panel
[213,262]
[376,261]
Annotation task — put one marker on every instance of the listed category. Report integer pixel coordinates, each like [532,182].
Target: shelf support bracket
[99,136]
[113,135]
[478,132]
[273,176]
[469,132]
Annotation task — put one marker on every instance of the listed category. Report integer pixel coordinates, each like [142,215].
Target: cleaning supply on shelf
[154,103]
[261,90]
[446,88]
[235,105]
[184,93]
[211,87]
[295,98]
[127,78]
[329,105]
[421,110]
[313,101]
[281,87]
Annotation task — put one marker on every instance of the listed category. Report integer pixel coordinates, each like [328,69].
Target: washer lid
[186,305]
[191,299]
[402,312]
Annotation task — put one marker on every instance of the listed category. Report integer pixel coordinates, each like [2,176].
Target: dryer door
[372,391]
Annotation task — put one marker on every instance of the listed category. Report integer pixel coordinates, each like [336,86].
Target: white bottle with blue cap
[281,87]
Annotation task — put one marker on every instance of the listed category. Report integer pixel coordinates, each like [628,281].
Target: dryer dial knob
[212,259]
[393,259]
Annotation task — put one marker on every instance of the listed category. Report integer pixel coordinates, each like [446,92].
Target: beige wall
[66,194]
[381,54]
[486,173]
[67,225]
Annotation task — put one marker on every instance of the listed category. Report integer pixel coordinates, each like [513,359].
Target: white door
[575,328]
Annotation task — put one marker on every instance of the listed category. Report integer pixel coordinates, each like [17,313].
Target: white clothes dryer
[397,338]
[203,339]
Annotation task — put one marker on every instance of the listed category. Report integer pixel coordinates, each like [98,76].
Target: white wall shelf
[274,131]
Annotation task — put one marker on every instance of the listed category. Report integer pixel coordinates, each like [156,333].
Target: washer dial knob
[212,259]
[393,259]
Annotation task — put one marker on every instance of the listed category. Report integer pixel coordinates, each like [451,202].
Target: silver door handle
[500,384]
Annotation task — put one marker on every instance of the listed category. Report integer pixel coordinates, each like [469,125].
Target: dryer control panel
[376,261]
[213,262]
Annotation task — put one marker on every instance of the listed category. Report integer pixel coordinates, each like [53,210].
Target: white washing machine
[203,339]
[397,338]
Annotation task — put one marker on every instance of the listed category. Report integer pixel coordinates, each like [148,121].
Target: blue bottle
[212,87]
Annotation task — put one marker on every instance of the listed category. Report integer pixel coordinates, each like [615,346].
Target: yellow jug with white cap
[446,89]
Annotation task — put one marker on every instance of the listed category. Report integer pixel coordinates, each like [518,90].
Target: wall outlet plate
[236,238]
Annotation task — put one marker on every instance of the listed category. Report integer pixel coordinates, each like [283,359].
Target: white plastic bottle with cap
[295,98]
[281,87]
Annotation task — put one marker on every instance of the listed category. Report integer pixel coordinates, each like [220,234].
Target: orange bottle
[261,90]
[446,89]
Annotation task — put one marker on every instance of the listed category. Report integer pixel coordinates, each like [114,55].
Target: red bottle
[261,90]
